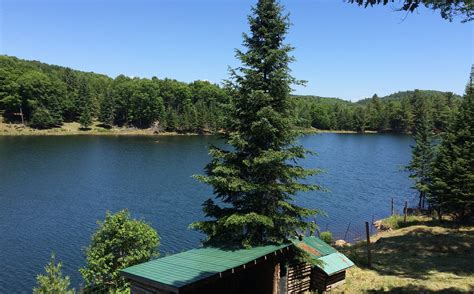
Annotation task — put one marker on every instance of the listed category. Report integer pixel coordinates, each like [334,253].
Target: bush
[326,237]
[119,242]
[42,119]
[396,221]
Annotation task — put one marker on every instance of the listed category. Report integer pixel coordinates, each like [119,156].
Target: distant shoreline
[73,129]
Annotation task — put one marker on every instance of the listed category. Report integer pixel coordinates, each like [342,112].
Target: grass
[397,221]
[73,128]
[422,256]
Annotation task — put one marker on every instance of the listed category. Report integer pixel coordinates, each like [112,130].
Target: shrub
[42,119]
[396,221]
[326,237]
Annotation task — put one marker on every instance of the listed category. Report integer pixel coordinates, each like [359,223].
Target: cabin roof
[184,268]
[332,261]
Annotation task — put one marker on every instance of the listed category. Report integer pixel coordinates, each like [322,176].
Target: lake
[54,189]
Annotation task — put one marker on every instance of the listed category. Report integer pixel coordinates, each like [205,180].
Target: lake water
[54,189]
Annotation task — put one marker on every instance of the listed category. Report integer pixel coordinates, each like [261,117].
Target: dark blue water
[54,189]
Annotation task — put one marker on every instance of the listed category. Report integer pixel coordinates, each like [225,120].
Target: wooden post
[369,257]
[276,279]
[392,206]
[347,230]
[405,211]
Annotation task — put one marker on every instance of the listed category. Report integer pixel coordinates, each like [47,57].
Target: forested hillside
[396,112]
[45,96]
[48,95]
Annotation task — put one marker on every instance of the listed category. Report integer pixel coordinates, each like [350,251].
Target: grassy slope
[73,128]
[424,257]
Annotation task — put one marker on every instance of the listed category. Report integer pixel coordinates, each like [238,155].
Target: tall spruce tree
[452,188]
[422,151]
[256,179]
[107,109]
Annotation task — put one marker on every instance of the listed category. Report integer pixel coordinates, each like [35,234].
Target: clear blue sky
[342,50]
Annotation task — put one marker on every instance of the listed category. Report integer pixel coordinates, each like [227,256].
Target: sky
[342,50]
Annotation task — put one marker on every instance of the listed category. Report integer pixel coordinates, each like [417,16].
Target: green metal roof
[335,262]
[332,260]
[187,267]
[184,268]
[314,246]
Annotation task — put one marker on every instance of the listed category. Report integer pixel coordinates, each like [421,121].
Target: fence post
[369,257]
[405,211]
[392,206]
[347,230]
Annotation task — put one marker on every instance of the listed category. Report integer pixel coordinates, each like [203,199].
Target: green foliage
[107,110]
[42,119]
[86,119]
[452,186]
[71,95]
[448,9]
[422,151]
[195,107]
[53,280]
[397,221]
[255,181]
[326,237]
[393,113]
[119,242]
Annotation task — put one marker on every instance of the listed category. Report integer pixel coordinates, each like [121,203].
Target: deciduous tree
[119,242]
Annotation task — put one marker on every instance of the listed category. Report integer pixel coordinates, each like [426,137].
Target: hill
[401,95]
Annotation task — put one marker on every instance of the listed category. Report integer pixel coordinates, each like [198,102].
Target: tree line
[45,96]
[393,113]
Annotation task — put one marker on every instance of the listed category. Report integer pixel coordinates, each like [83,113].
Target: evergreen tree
[84,104]
[422,151]
[53,280]
[41,119]
[107,109]
[452,188]
[171,120]
[69,78]
[360,119]
[86,118]
[256,180]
